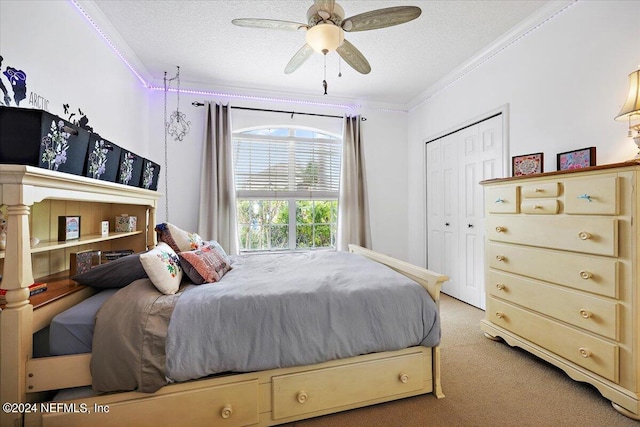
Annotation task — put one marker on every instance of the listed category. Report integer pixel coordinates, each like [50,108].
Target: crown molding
[523,29]
[101,24]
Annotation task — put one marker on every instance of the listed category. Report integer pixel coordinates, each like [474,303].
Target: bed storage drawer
[227,405]
[597,355]
[314,391]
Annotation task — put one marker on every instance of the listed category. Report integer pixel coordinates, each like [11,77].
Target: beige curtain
[353,205]
[217,216]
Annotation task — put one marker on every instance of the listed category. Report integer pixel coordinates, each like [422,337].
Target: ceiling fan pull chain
[339,66]
[324,82]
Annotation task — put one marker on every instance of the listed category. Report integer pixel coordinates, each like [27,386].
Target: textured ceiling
[213,54]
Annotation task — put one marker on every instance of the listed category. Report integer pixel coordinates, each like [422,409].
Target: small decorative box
[126,223]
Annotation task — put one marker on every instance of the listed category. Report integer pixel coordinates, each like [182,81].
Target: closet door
[480,159]
[455,225]
[442,210]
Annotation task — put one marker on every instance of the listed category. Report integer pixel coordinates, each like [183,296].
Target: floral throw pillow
[162,265]
[178,239]
[205,264]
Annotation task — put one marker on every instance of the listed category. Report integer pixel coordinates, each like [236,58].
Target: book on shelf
[113,255]
[34,289]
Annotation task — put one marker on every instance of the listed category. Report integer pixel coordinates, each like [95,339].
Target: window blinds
[268,166]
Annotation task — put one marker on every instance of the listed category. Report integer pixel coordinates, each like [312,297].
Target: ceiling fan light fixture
[325,37]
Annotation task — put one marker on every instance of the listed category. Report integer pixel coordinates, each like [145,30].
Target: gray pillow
[113,274]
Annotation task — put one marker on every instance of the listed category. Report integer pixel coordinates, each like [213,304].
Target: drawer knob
[226,412]
[500,229]
[585,352]
[499,314]
[585,197]
[404,378]
[538,190]
[302,397]
[500,257]
[584,235]
[585,313]
[537,207]
[499,200]
[499,286]
[586,274]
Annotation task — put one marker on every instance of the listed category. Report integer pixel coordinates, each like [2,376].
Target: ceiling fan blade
[298,59]
[353,57]
[381,18]
[272,24]
[325,6]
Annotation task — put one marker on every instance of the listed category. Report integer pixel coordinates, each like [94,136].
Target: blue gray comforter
[273,311]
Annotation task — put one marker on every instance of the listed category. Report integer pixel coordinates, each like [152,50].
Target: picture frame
[527,164]
[68,228]
[577,159]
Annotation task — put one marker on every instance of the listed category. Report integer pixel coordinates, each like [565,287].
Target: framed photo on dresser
[577,159]
[527,164]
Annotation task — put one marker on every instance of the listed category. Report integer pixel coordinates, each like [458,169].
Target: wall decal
[80,121]
[17,83]
[18,80]
[39,102]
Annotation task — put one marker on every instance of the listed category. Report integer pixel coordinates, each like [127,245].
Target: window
[287,183]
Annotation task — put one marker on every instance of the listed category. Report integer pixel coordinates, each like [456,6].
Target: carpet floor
[487,383]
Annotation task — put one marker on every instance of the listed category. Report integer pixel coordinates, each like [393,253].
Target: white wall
[384,137]
[66,61]
[564,83]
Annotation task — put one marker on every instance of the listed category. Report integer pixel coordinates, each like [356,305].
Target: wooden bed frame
[259,398]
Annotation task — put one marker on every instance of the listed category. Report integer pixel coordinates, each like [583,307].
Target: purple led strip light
[197,92]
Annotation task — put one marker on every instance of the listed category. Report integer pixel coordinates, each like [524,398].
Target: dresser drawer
[596,195]
[579,234]
[308,392]
[540,206]
[502,199]
[581,348]
[593,314]
[540,189]
[598,275]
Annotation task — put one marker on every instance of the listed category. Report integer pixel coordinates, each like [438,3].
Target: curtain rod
[200,104]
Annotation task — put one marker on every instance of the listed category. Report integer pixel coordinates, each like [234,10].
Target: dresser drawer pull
[226,412]
[586,314]
[500,229]
[537,207]
[499,314]
[500,286]
[586,274]
[500,257]
[584,235]
[404,378]
[585,352]
[499,200]
[538,190]
[302,397]
[585,197]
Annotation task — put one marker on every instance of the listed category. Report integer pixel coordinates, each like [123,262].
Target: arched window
[287,184]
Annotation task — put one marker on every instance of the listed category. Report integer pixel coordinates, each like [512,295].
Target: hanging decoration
[177,126]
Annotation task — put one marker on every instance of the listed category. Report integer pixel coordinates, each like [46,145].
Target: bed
[347,368]
[270,396]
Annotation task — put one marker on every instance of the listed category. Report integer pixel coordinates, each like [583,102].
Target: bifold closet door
[456,164]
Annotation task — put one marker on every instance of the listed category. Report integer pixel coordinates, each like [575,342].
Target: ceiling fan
[325,29]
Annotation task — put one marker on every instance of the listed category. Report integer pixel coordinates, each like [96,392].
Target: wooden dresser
[562,273]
